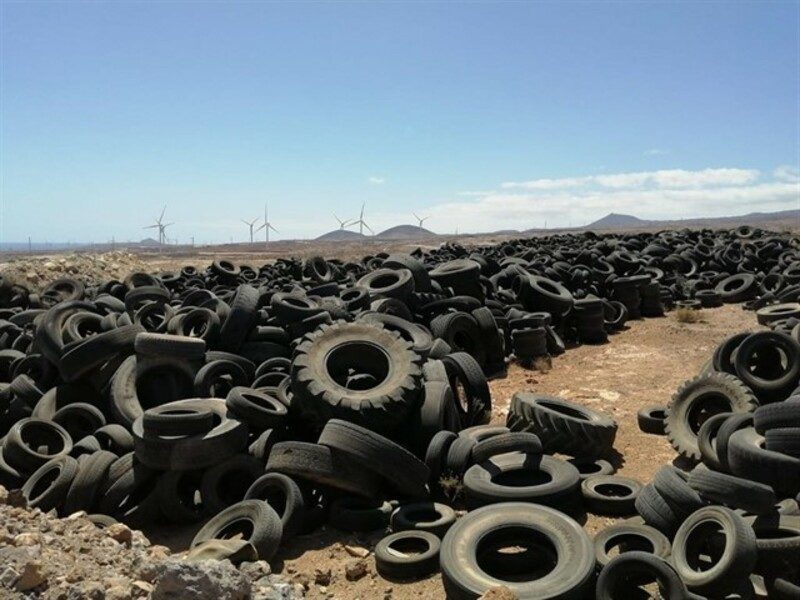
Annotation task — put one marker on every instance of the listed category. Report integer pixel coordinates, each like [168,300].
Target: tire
[731,491]
[285,496]
[193,451]
[522,441]
[323,466]
[436,456]
[85,487]
[656,512]
[768,385]
[359,515]
[393,564]
[82,357]
[785,440]
[780,414]
[621,576]
[258,410]
[461,332]
[476,406]
[732,424]
[408,475]
[737,288]
[700,398]
[749,460]
[562,426]
[432,517]
[464,578]
[263,522]
[388,283]
[459,456]
[610,494]
[216,378]
[437,413]
[114,438]
[421,340]
[629,537]
[778,543]
[722,359]
[226,483]
[652,419]
[240,320]
[735,564]
[176,346]
[47,488]
[706,441]
[21,448]
[167,421]
[673,486]
[768,314]
[177,493]
[588,467]
[320,366]
[485,483]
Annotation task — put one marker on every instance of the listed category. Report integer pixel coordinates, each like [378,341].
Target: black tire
[778,544]
[47,488]
[622,575]
[672,485]
[176,346]
[82,357]
[436,456]
[437,413]
[166,420]
[79,419]
[227,483]
[656,512]
[521,478]
[388,283]
[562,426]
[783,439]
[706,441]
[350,513]
[324,466]
[737,288]
[492,527]
[519,441]
[254,520]
[747,458]
[735,492]
[25,439]
[394,564]
[241,320]
[722,359]
[459,456]
[589,467]
[732,563]
[464,373]
[85,487]
[765,376]
[216,378]
[432,517]
[284,495]
[257,409]
[180,497]
[732,424]
[373,452]
[320,374]
[629,537]
[461,332]
[192,451]
[114,438]
[779,414]
[652,419]
[610,494]
[698,399]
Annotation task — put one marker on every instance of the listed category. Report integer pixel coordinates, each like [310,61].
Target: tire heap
[267,402]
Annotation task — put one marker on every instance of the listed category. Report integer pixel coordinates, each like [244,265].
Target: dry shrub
[688,315]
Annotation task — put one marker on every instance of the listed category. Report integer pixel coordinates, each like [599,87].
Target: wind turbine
[250,224]
[420,219]
[362,223]
[342,224]
[162,227]
[266,225]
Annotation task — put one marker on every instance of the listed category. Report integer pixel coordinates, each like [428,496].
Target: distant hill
[341,235]
[149,242]
[402,232]
[616,220]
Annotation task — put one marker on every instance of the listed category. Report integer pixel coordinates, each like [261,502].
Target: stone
[8,577]
[3,495]
[26,539]
[30,577]
[256,569]
[118,592]
[202,580]
[355,569]
[141,589]
[357,551]
[15,498]
[119,532]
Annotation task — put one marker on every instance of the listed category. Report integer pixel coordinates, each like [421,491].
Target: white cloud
[665,194]
[655,152]
[376,180]
[787,173]
[475,193]
[659,179]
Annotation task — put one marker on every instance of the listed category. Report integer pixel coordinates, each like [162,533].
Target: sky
[480,116]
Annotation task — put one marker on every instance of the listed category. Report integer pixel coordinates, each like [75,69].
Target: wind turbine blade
[416,216]
[273,229]
[151,227]
[162,212]
[368,227]
[259,229]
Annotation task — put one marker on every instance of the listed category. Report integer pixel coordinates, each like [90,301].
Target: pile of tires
[267,402]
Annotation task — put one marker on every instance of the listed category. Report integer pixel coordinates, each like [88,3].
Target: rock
[8,577]
[202,580]
[26,539]
[235,551]
[322,576]
[357,551]
[3,495]
[118,592]
[256,569]
[141,589]
[500,592]
[355,569]
[120,533]
[15,498]
[30,577]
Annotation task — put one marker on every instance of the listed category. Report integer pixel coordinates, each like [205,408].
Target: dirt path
[640,366]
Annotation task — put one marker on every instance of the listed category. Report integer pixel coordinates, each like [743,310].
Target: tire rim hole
[349,360]
[517,554]
[238,529]
[628,542]
[705,407]
[522,478]
[409,546]
[613,490]
[37,435]
[705,546]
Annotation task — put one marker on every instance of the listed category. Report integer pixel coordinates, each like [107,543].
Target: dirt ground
[640,366]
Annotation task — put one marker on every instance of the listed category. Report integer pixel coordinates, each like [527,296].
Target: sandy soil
[640,366]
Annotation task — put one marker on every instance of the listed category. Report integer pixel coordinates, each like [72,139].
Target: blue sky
[481,115]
